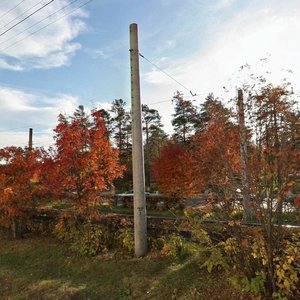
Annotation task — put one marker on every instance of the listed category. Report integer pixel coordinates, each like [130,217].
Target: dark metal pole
[30,138]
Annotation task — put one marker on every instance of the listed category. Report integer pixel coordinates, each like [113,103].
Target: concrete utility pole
[140,218]
[30,139]
[248,209]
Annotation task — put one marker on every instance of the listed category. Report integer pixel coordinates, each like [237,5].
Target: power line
[39,142]
[49,16]
[12,132]
[13,129]
[32,33]
[157,67]
[163,101]
[21,21]
[22,14]
[3,15]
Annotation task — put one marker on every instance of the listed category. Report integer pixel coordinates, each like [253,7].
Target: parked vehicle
[130,194]
[123,198]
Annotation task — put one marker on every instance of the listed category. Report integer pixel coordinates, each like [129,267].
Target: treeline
[119,132]
[247,154]
[249,151]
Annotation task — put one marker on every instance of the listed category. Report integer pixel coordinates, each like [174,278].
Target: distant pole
[140,218]
[248,209]
[30,138]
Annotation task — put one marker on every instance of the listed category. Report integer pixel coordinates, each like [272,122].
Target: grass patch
[153,213]
[116,209]
[42,268]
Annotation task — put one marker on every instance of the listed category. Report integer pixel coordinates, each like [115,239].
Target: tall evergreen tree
[155,138]
[120,123]
[208,109]
[122,137]
[184,118]
[151,121]
[107,118]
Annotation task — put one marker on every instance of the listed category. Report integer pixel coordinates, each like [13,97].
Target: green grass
[42,268]
[117,210]
[152,213]
[291,218]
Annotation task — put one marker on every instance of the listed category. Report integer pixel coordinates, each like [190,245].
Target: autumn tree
[209,162]
[19,184]
[171,171]
[156,142]
[84,163]
[272,120]
[275,124]
[184,118]
[215,163]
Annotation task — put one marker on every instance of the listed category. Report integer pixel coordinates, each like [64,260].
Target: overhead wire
[163,71]
[22,14]
[12,129]
[27,17]
[163,101]
[38,30]
[64,15]
[33,25]
[39,142]
[11,9]
[84,4]
[18,130]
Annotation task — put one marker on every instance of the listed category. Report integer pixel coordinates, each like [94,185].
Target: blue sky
[83,58]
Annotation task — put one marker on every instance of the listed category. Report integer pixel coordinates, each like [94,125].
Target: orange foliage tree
[275,159]
[19,183]
[211,160]
[84,163]
[215,163]
[171,171]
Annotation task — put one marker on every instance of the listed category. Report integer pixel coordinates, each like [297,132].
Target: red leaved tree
[215,162]
[171,171]
[19,184]
[84,163]
[211,160]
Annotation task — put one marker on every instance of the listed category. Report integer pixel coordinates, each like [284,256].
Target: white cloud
[7,66]
[51,47]
[96,53]
[156,77]
[222,4]
[252,34]
[102,105]
[246,38]
[57,58]
[22,110]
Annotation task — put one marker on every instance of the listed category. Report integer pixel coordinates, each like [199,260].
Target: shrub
[125,237]
[84,238]
[88,238]
[174,246]
[248,259]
